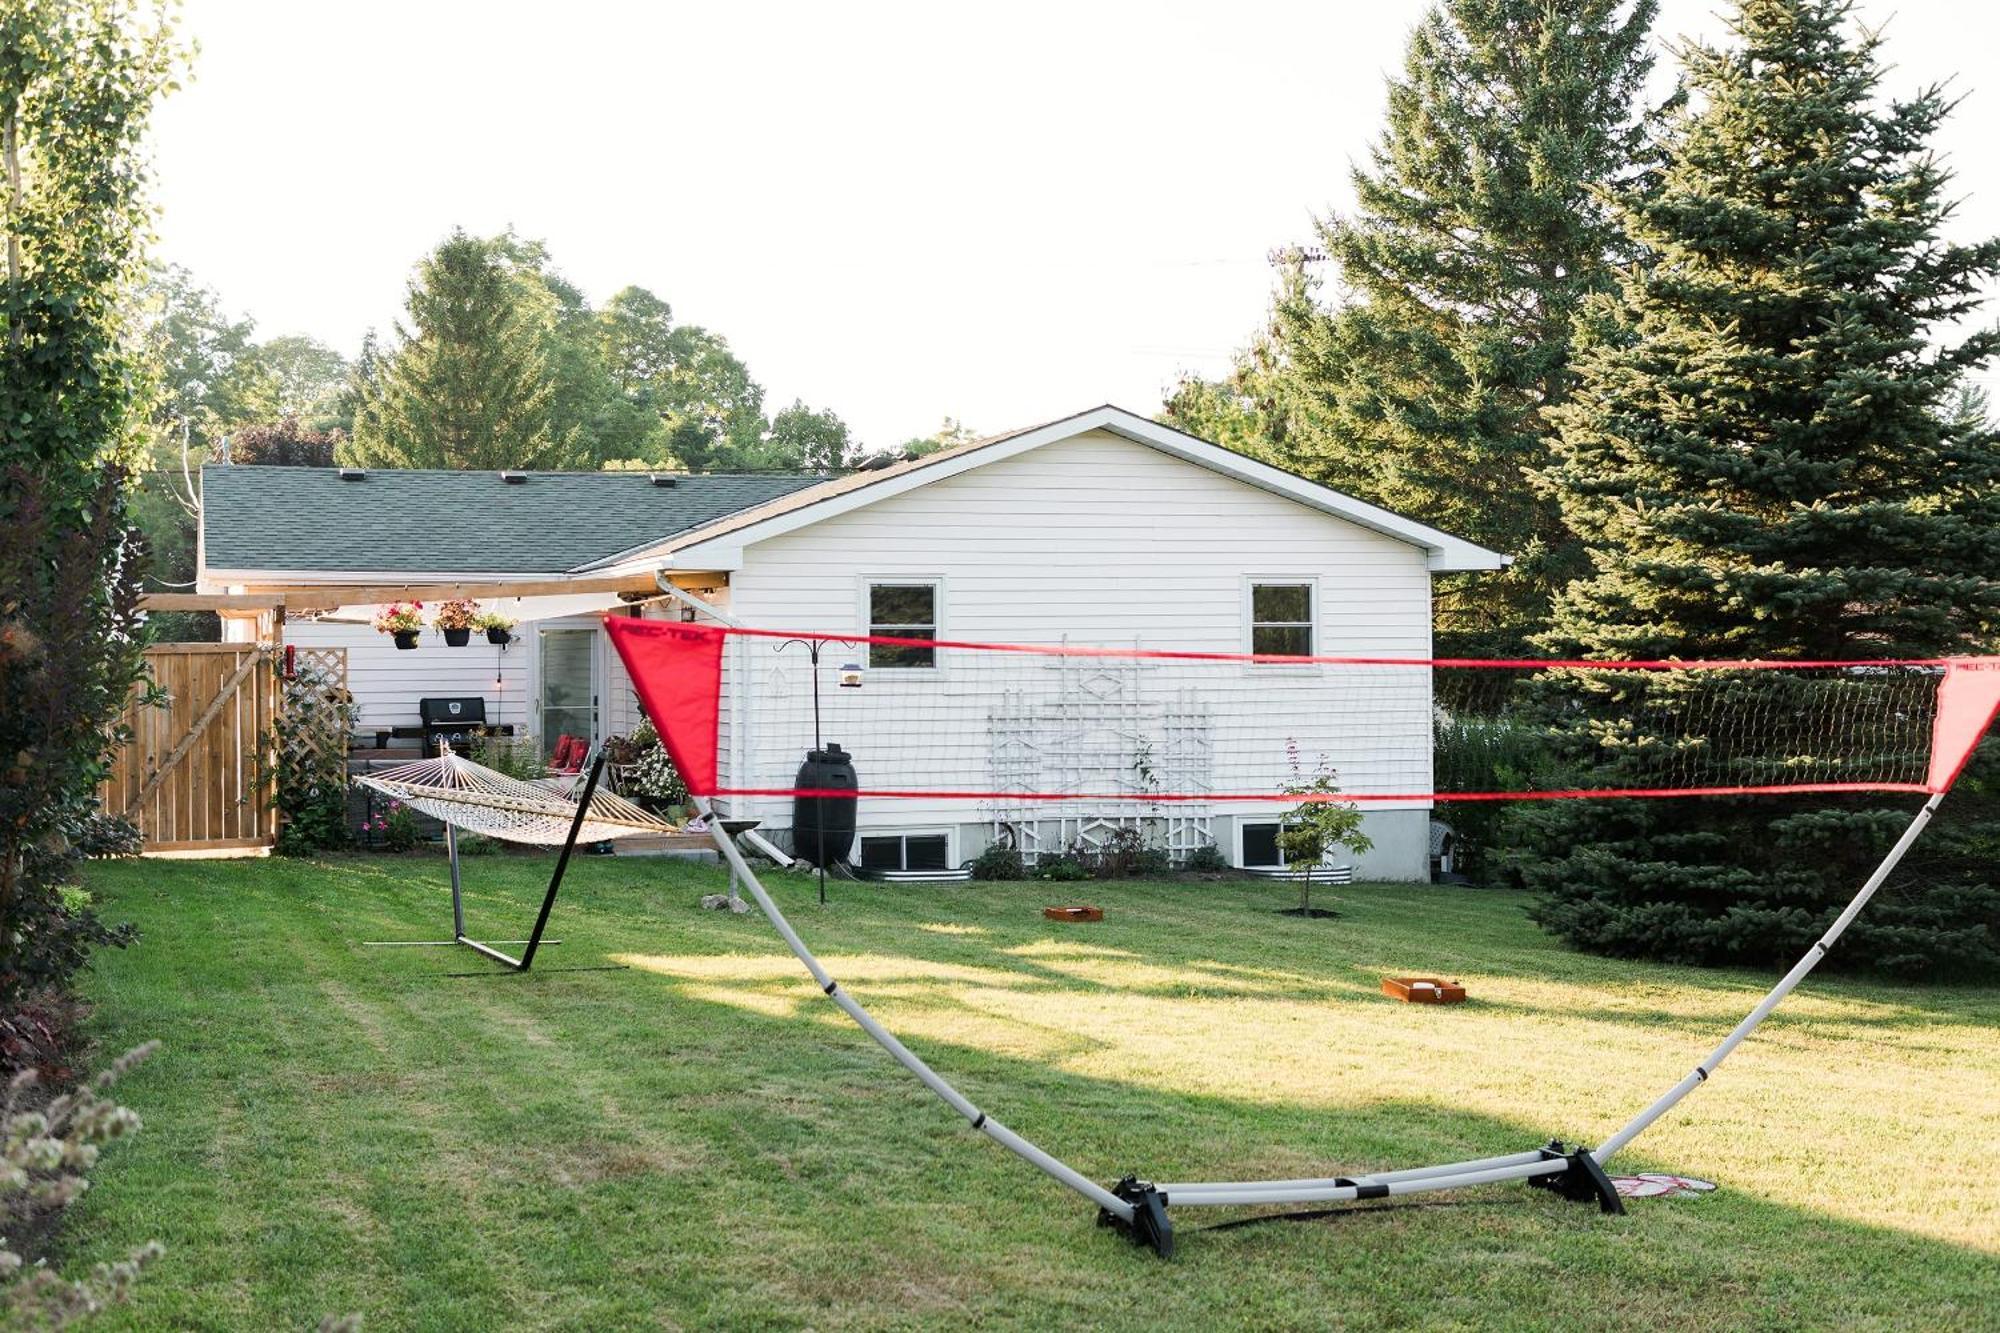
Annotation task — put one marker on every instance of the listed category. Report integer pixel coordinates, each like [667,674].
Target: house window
[1281,619]
[902,611]
[906,851]
[1260,845]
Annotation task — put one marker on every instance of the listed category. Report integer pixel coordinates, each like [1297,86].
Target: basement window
[1260,846]
[906,851]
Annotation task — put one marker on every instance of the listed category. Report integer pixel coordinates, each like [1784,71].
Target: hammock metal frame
[1138,1207]
[460,793]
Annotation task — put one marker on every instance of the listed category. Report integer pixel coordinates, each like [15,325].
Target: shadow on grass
[1728,1260]
[708,1142]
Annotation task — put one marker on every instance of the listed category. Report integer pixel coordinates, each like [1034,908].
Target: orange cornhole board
[1073,913]
[1423,990]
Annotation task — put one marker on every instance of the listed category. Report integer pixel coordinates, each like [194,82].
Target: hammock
[470,796]
[476,799]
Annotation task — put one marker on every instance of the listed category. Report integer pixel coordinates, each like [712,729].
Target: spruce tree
[1768,454]
[470,384]
[1477,233]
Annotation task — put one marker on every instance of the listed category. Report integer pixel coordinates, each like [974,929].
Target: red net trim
[677,671]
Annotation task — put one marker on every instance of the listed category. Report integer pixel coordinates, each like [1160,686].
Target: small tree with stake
[1316,825]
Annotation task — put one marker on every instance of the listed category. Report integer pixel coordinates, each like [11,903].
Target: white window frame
[948,832]
[865,616]
[1310,582]
[1243,823]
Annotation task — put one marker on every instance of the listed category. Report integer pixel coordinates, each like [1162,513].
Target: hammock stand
[469,796]
[1138,1208]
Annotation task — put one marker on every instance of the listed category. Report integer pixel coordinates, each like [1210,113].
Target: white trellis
[1098,731]
[1187,765]
[1016,742]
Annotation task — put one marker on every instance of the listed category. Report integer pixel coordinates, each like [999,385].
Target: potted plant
[402,621]
[499,629]
[454,620]
[645,773]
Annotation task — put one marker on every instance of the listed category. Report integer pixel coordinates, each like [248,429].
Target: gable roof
[413,521]
[715,544]
[309,521]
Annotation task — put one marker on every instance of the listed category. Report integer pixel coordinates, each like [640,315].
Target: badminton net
[1022,729]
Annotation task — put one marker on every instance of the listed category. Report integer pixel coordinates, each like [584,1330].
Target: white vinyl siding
[386,681]
[1094,540]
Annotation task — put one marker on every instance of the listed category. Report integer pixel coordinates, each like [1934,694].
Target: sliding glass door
[568,700]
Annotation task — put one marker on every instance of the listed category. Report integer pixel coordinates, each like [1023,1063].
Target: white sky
[999,212]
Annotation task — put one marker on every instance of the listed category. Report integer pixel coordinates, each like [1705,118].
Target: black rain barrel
[823,826]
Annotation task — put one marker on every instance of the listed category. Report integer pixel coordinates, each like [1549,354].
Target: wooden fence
[196,775]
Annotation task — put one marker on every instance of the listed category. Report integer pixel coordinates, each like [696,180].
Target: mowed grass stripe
[702,1141]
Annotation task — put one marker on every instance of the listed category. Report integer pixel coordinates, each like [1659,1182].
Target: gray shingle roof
[412,521]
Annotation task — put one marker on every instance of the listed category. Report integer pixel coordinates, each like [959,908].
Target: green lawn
[702,1140]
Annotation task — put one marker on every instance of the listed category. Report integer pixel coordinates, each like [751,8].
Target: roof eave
[334,578]
[1445,552]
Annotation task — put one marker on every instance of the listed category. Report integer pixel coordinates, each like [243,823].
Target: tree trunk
[10,148]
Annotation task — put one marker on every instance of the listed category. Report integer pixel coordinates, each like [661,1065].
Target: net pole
[950,1096]
[1699,1074]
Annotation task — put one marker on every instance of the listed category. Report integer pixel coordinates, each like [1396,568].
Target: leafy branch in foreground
[45,1152]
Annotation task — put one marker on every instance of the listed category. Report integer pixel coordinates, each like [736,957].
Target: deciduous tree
[78,79]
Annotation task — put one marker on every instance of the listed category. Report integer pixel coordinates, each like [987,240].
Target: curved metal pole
[931,1079]
[1699,1074]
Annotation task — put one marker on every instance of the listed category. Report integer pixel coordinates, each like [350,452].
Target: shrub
[1123,855]
[287,442]
[46,1146]
[97,836]
[518,757]
[1489,751]
[1206,859]
[393,828]
[70,640]
[309,740]
[42,1032]
[998,862]
[1063,869]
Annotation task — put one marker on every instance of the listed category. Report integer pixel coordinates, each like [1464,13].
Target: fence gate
[195,776]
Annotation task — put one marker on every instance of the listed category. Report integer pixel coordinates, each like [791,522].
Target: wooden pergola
[267,604]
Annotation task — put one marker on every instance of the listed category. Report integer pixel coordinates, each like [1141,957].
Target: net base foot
[1150,1224]
[1582,1181]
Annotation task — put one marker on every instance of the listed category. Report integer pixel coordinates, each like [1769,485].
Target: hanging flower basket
[454,619]
[499,629]
[402,621]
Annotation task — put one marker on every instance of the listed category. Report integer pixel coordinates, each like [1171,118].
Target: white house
[1103,528]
